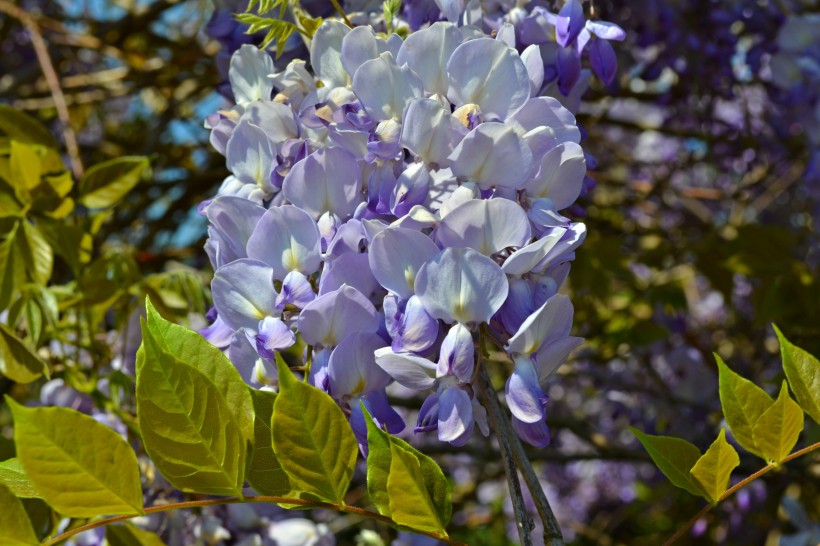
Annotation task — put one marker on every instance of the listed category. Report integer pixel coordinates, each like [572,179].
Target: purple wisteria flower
[385,208]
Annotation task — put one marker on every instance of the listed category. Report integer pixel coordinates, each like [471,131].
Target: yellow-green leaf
[713,469]
[264,472]
[21,126]
[80,467]
[743,403]
[195,413]
[17,361]
[15,527]
[37,254]
[675,457]
[13,477]
[312,439]
[26,168]
[379,463]
[410,501]
[778,428]
[12,268]
[105,184]
[803,372]
[128,534]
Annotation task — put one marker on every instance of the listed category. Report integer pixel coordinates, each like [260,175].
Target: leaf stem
[341,12]
[732,490]
[247,500]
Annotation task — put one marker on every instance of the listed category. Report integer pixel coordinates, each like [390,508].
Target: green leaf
[15,527]
[410,500]
[379,457]
[130,535]
[26,168]
[265,474]
[803,372]
[12,269]
[379,460]
[71,243]
[80,467]
[188,347]
[777,429]
[13,477]
[17,361]
[713,469]
[675,457]
[312,439]
[743,403]
[21,126]
[37,254]
[105,184]
[195,420]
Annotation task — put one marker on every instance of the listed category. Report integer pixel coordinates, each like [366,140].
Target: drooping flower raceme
[384,209]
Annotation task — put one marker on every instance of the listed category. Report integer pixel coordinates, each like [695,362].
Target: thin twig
[341,12]
[552,531]
[53,81]
[260,499]
[732,490]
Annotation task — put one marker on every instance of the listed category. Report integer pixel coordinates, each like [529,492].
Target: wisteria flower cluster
[385,207]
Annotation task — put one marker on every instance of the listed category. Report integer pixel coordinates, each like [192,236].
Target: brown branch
[260,499]
[53,81]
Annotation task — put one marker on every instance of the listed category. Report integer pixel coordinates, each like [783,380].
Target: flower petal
[490,74]
[455,415]
[328,180]
[525,397]
[409,370]
[551,321]
[243,293]
[427,51]
[331,317]
[461,285]
[492,154]
[396,255]
[248,74]
[485,225]
[287,239]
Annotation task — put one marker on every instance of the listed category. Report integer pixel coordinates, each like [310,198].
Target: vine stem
[552,531]
[732,490]
[510,446]
[341,12]
[497,422]
[247,500]
[52,80]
